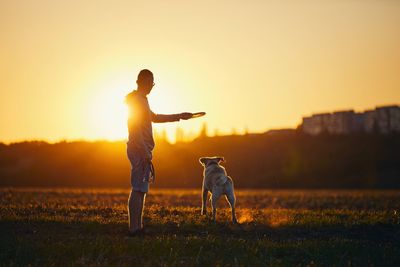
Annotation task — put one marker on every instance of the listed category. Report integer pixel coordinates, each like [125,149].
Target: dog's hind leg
[204,201]
[231,200]
[216,194]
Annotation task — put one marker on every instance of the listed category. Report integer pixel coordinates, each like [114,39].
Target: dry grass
[294,227]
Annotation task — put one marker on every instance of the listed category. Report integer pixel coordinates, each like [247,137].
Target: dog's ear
[202,161]
[221,159]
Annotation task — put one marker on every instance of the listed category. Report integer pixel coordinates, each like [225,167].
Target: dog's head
[205,161]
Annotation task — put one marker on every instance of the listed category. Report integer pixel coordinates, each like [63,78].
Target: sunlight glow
[107,114]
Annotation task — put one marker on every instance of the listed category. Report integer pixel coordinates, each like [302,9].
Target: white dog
[217,182]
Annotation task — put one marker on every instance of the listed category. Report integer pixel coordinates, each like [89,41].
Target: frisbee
[198,115]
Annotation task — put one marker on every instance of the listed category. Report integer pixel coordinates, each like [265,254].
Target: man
[140,146]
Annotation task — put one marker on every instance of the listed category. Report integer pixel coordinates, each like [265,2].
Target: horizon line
[88,140]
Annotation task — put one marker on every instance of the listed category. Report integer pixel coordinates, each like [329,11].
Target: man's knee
[139,196]
[138,193]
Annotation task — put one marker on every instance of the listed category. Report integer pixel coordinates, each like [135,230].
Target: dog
[218,183]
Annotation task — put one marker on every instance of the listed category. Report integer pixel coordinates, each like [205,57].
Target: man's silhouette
[141,144]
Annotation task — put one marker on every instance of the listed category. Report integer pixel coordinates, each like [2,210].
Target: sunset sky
[65,66]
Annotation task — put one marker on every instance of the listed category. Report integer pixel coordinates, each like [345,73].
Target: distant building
[383,120]
[316,124]
[341,122]
[388,119]
[395,118]
[359,122]
[369,124]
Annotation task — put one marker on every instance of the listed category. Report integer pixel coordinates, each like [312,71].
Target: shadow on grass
[86,229]
[45,242]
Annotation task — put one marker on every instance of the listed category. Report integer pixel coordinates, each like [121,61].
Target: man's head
[145,81]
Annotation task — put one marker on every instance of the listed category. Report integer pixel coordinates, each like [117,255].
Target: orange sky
[66,65]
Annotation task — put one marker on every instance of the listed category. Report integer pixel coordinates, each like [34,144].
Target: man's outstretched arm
[158,118]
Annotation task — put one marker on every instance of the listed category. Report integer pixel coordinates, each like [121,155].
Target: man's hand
[148,157]
[185,115]
[145,155]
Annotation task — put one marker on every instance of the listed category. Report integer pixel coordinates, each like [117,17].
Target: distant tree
[246,130]
[203,131]
[161,136]
[179,135]
[233,131]
[164,135]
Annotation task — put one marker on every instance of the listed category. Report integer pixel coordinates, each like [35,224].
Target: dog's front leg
[204,201]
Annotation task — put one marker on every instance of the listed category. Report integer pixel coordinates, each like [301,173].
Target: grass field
[83,227]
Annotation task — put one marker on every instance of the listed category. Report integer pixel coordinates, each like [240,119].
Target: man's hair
[144,75]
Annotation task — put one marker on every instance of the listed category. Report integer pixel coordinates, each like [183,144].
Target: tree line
[283,160]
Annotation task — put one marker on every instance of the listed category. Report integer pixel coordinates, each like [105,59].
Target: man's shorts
[139,172]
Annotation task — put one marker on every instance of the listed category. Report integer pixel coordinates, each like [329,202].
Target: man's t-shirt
[140,118]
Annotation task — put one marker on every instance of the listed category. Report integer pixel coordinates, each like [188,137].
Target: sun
[107,115]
